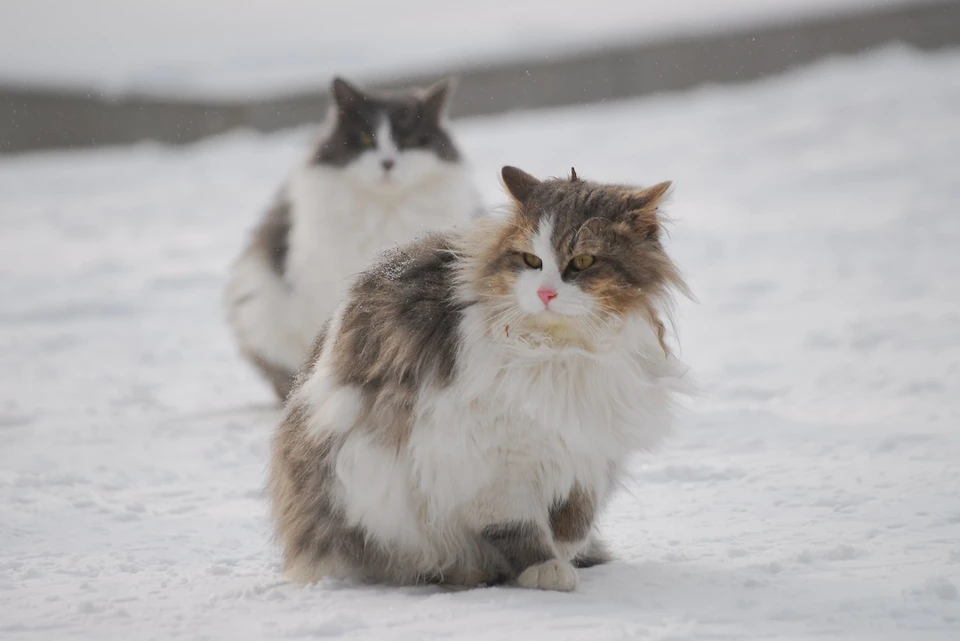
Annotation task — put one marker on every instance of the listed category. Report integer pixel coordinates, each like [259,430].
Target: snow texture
[242,48]
[812,491]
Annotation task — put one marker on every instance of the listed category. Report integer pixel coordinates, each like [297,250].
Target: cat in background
[470,408]
[385,168]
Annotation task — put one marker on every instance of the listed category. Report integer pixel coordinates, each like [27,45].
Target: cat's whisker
[591,322]
[501,313]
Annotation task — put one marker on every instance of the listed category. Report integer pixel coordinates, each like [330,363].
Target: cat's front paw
[549,575]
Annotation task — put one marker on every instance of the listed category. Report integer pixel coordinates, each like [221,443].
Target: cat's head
[573,260]
[391,142]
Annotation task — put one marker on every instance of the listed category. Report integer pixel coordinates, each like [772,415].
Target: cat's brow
[583,227]
[516,225]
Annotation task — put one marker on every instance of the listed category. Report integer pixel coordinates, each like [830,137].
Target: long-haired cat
[386,168]
[471,406]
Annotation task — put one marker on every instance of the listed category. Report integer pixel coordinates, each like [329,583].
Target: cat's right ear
[519,183]
[344,94]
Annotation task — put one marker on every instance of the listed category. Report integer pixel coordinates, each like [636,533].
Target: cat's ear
[650,197]
[519,183]
[344,94]
[436,99]
[643,205]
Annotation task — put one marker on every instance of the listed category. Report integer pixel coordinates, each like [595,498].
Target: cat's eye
[366,140]
[582,262]
[404,116]
[532,261]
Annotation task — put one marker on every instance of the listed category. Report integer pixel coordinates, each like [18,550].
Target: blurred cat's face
[575,258]
[389,144]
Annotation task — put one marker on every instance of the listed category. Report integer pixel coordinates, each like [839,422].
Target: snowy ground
[238,48]
[813,492]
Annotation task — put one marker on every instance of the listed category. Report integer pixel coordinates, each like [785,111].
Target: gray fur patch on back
[271,238]
[316,350]
[282,379]
[400,332]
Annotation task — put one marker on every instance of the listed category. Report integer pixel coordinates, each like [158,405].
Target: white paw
[549,575]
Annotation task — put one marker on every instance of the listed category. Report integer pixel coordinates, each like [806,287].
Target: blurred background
[812,490]
[109,71]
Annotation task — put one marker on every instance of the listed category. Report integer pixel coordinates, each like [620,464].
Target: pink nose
[547,294]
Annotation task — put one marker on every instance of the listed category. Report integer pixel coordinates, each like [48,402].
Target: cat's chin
[555,325]
[555,332]
[387,188]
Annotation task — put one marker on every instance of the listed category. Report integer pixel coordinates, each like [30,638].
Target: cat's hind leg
[594,553]
[572,523]
[281,378]
[532,560]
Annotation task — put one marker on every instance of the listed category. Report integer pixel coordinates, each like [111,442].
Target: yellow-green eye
[582,262]
[366,140]
[533,262]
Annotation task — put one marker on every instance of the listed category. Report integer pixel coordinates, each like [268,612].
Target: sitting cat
[386,169]
[470,408]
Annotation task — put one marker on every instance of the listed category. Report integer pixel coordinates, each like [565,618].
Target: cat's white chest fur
[510,437]
[546,422]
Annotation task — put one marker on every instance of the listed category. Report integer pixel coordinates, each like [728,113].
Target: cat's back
[399,325]
[426,263]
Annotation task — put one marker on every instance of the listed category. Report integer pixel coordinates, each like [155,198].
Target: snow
[812,491]
[240,48]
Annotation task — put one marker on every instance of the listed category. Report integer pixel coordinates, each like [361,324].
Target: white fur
[521,423]
[549,575]
[386,147]
[337,411]
[341,218]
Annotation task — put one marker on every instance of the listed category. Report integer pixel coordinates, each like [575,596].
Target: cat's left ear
[643,204]
[436,99]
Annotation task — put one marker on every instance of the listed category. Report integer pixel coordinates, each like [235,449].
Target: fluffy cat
[470,407]
[385,169]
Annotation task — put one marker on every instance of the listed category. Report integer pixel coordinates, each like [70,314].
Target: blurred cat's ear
[519,183]
[345,94]
[436,99]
